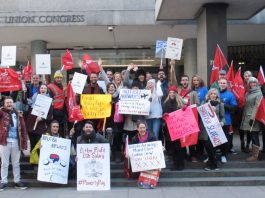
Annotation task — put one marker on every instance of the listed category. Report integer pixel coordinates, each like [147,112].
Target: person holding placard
[172,103]
[142,135]
[37,125]
[140,76]
[13,139]
[57,92]
[213,98]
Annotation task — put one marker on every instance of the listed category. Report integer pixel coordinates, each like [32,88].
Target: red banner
[9,80]
[27,72]
[67,61]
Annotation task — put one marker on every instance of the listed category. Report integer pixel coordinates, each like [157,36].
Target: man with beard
[57,93]
[162,84]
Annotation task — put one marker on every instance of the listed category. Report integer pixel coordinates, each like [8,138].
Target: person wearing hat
[140,77]
[249,124]
[172,103]
[56,91]
[222,75]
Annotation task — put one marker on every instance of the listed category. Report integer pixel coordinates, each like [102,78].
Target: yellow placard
[95,106]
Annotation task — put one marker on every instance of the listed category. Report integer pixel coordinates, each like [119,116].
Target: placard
[174,48]
[146,156]
[54,159]
[8,56]
[93,167]
[78,82]
[43,64]
[212,125]
[161,49]
[41,106]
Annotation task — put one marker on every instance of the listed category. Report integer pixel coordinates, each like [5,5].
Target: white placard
[93,167]
[174,48]
[134,101]
[43,64]
[212,125]
[54,159]
[8,56]
[78,82]
[41,106]
[102,84]
[146,156]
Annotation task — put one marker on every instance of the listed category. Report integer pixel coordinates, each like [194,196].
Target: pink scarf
[143,139]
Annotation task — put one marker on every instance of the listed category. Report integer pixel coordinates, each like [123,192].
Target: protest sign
[160,49]
[41,106]
[9,80]
[134,102]
[54,159]
[102,84]
[95,106]
[78,82]
[174,48]
[181,123]
[93,167]
[146,156]
[43,64]
[212,125]
[8,56]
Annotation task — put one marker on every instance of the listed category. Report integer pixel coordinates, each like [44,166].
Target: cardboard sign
[8,56]
[78,82]
[134,102]
[174,48]
[95,106]
[181,123]
[54,159]
[161,49]
[43,64]
[41,106]
[212,125]
[146,156]
[93,167]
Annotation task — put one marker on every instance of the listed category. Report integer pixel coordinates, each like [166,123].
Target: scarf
[254,90]
[143,139]
[92,89]
[10,112]
[89,138]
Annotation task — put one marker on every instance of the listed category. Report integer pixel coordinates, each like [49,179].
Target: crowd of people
[17,124]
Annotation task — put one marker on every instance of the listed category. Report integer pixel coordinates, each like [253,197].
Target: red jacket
[4,128]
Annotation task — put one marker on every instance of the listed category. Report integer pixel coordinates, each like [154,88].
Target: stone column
[190,57]
[37,47]
[212,30]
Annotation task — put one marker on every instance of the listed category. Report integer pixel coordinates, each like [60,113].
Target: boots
[247,150]
[255,154]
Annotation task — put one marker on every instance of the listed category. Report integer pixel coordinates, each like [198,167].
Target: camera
[110,28]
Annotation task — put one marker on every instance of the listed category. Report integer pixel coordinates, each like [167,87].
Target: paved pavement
[159,192]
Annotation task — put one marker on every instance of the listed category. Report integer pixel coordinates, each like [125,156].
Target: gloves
[214,102]
[251,122]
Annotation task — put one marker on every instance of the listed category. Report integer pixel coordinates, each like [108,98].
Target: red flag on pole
[261,77]
[260,115]
[27,72]
[67,61]
[230,74]
[218,63]
[238,88]
[9,80]
[74,111]
[89,65]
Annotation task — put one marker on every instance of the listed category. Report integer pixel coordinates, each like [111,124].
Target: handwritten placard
[54,159]
[181,123]
[95,106]
[146,156]
[93,167]
[212,125]
[174,48]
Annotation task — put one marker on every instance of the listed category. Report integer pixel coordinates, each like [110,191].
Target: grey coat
[220,113]
[252,100]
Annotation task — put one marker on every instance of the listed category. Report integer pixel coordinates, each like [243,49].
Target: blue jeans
[154,126]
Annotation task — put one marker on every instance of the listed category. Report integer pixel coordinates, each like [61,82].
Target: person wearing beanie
[249,124]
[56,91]
[222,75]
[140,76]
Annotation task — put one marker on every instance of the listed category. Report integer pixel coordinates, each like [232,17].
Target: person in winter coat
[142,135]
[252,101]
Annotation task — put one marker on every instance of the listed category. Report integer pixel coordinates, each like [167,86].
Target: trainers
[194,159]
[206,160]
[232,151]
[20,185]
[3,186]
[210,169]
[223,159]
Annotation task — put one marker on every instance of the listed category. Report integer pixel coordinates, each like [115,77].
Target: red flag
[218,63]
[27,72]
[230,75]
[261,78]
[9,80]
[89,65]
[67,61]
[74,111]
[260,115]
[238,89]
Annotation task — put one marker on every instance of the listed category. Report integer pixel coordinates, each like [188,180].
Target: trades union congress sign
[42,20]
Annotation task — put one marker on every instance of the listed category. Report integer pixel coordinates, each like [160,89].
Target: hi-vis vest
[58,101]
